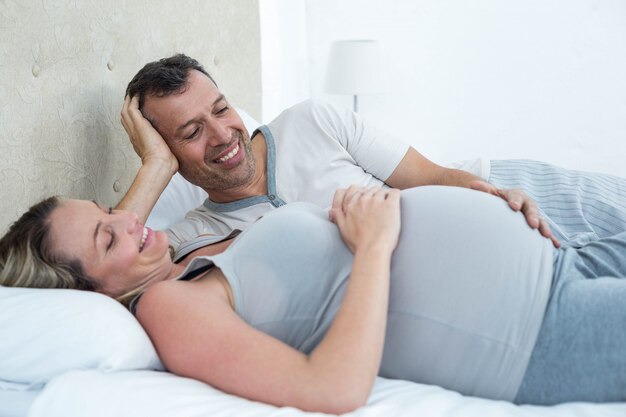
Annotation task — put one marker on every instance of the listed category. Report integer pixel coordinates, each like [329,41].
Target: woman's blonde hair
[28,260]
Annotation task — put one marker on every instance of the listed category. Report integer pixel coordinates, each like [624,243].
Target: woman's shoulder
[183,319]
[168,298]
[159,295]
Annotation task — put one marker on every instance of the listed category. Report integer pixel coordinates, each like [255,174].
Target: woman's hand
[147,142]
[367,216]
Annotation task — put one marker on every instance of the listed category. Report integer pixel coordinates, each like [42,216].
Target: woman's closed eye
[112,241]
[111,233]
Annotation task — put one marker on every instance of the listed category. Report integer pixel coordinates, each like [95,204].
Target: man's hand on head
[148,144]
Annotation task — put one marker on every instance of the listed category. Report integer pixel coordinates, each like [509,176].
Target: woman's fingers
[338,198]
[344,198]
[353,193]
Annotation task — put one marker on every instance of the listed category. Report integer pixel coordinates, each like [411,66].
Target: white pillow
[181,196]
[47,332]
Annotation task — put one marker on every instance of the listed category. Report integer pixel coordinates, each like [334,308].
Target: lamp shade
[353,67]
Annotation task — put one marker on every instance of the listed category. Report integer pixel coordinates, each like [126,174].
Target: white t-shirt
[312,149]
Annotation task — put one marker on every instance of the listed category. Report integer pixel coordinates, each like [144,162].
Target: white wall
[285,56]
[541,79]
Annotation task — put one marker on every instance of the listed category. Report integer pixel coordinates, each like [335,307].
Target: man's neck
[257,186]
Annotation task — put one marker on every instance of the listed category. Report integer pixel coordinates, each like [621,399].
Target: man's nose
[219,135]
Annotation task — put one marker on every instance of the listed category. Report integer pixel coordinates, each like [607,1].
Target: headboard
[64,67]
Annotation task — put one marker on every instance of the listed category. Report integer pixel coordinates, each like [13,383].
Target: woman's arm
[197,333]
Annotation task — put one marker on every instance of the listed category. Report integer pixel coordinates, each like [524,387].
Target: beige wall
[64,66]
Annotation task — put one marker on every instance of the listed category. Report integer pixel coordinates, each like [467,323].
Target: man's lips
[229,155]
[232,155]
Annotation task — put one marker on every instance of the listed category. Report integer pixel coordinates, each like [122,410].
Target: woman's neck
[208,250]
[175,271]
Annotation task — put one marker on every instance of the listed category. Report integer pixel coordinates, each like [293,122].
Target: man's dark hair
[164,77]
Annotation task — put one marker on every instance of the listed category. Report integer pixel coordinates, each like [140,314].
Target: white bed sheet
[156,394]
[15,402]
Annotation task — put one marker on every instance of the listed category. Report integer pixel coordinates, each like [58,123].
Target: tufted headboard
[64,67]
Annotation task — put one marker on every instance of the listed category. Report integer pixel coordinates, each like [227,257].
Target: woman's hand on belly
[367,216]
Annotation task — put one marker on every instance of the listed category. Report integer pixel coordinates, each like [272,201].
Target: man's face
[204,133]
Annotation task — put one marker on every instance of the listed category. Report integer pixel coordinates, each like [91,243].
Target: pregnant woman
[438,285]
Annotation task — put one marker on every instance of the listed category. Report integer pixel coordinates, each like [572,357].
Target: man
[178,120]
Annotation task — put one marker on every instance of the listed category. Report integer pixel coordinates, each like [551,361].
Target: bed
[68,353]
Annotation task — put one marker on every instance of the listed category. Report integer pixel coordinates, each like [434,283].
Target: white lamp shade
[353,67]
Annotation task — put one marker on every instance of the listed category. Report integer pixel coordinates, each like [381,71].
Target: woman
[302,312]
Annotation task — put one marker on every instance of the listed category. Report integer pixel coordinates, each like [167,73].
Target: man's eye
[193,134]
[222,110]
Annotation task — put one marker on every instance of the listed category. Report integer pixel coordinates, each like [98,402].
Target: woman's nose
[126,220]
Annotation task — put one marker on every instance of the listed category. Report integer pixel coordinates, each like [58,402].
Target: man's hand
[147,142]
[519,201]
[158,163]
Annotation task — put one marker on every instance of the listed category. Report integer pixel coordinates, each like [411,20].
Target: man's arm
[158,164]
[415,170]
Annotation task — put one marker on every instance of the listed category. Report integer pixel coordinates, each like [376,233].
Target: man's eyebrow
[183,126]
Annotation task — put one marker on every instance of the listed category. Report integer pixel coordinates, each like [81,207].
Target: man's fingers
[514,198]
[125,105]
[484,186]
[124,111]
[544,229]
[532,216]
[518,200]
[133,109]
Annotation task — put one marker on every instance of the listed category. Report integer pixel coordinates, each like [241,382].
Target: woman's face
[113,247]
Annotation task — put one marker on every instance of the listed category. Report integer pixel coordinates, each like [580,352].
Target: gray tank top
[469,286]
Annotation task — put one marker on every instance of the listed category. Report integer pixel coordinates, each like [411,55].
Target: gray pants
[580,354]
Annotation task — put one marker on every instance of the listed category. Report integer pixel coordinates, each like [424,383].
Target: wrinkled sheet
[156,394]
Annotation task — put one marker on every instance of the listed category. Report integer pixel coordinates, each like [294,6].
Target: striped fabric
[580,206]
